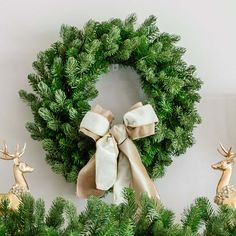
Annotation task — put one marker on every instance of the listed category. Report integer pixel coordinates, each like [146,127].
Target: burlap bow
[116,162]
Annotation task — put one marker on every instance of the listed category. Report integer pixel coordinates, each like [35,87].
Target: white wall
[208,32]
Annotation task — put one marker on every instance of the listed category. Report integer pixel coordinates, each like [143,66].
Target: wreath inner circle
[118,90]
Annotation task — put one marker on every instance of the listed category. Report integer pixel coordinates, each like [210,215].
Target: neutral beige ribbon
[116,162]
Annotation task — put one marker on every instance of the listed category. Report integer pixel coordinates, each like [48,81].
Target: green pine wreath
[65,81]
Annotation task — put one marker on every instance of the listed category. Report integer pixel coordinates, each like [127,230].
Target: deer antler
[18,152]
[8,156]
[226,153]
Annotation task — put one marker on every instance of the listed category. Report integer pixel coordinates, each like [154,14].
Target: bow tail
[124,178]
[132,173]
[100,173]
[86,181]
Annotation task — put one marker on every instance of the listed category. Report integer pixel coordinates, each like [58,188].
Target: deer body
[14,201]
[20,186]
[225,193]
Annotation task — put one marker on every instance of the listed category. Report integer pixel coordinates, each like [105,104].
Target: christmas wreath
[64,83]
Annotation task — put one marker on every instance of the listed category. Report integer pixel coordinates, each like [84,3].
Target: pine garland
[129,218]
[64,82]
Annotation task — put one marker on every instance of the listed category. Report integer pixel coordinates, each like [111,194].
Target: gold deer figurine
[225,193]
[19,169]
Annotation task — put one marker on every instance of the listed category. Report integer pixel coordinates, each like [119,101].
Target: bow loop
[116,162]
[140,121]
[140,115]
[96,123]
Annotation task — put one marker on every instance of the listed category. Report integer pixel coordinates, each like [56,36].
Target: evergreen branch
[104,219]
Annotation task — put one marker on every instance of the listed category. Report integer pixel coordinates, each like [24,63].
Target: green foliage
[55,218]
[65,78]
[129,218]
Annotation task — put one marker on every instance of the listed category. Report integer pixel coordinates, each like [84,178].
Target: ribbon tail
[86,184]
[106,162]
[124,178]
[140,181]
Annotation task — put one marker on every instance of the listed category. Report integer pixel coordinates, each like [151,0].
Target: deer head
[227,162]
[22,166]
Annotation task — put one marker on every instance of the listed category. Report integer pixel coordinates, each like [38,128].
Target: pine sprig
[55,217]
